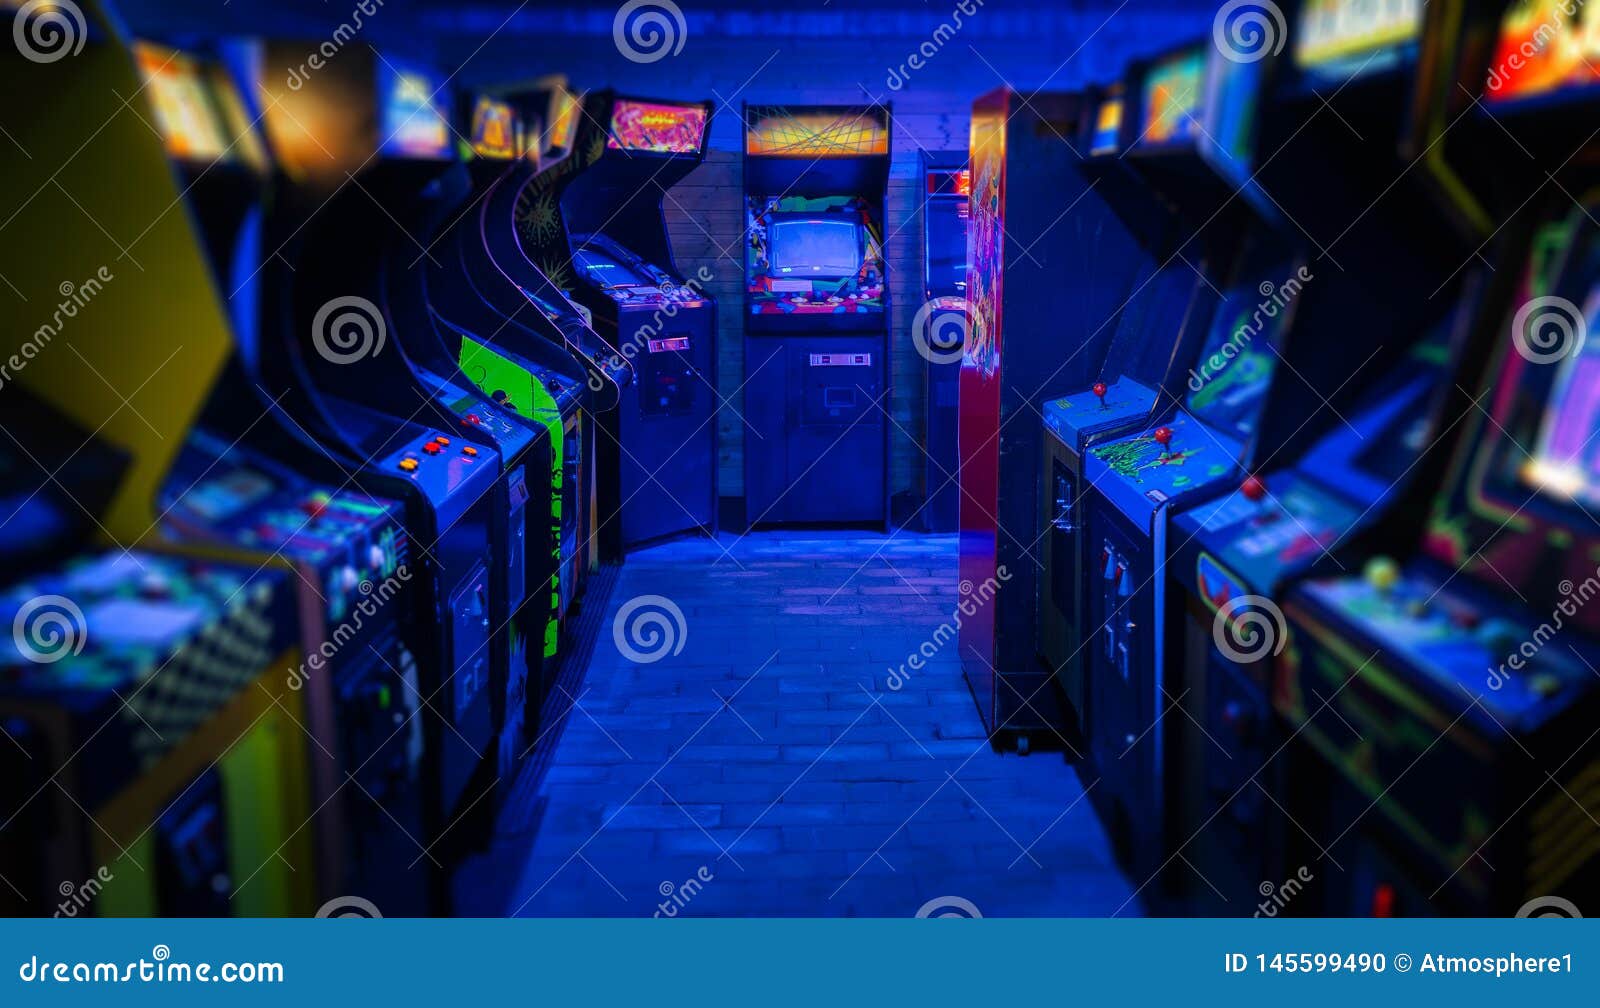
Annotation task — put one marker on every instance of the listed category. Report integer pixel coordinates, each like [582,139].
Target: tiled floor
[769,761]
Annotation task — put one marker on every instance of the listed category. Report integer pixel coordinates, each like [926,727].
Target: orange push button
[469,450]
[408,464]
[441,439]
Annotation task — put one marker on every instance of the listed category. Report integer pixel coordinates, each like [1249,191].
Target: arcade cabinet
[1278,364]
[335,357]
[496,317]
[1048,272]
[642,304]
[160,755]
[816,391]
[1176,205]
[938,331]
[1407,229]
[227,490]
[1466,647]
[573,146]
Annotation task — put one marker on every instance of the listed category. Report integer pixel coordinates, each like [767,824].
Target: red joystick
[1253,489]
[1099,389]
[1163,436]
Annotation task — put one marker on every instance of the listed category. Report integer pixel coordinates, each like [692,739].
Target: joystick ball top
[1382,573]
[1099,389]
[1253,489]
[1163,436]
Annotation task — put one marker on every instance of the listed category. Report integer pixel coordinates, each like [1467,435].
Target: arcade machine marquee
[816,318]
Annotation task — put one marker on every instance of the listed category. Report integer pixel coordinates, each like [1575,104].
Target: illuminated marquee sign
[413,123]
[1545,47]
[656,128]
[816,133]
[184,112]
[1335,31]
[1172,99]
[494,130]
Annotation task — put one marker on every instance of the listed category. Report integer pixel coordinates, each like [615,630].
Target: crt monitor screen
[947,245]
[1230,381]
[189,123]
[412,122]
[1107,127]
[1546,47]
[1173,93]
[1565,463]
[607,271]
[813,247]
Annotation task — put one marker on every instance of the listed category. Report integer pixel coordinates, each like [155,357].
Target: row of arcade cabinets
[594,223]
[346,507]
[816,383]
[1314,547]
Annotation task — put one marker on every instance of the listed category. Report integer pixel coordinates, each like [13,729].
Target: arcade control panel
[348,538]
[1074,418]
[1462,642]
[1269,535]
[1154,467]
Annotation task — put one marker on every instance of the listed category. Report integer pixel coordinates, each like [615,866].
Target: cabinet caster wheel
[1022,745]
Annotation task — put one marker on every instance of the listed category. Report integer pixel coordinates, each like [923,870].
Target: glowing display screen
[823,248]
[184,111]
[606,271]
[413,122]
[657,129]
[1566,462]
[1545,47]
[782,132]
[1172,97]
[494,130]
[564,108]
[1350,34]
[1107,127]
[1231,379]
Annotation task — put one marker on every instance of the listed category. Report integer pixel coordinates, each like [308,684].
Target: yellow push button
[408,465]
